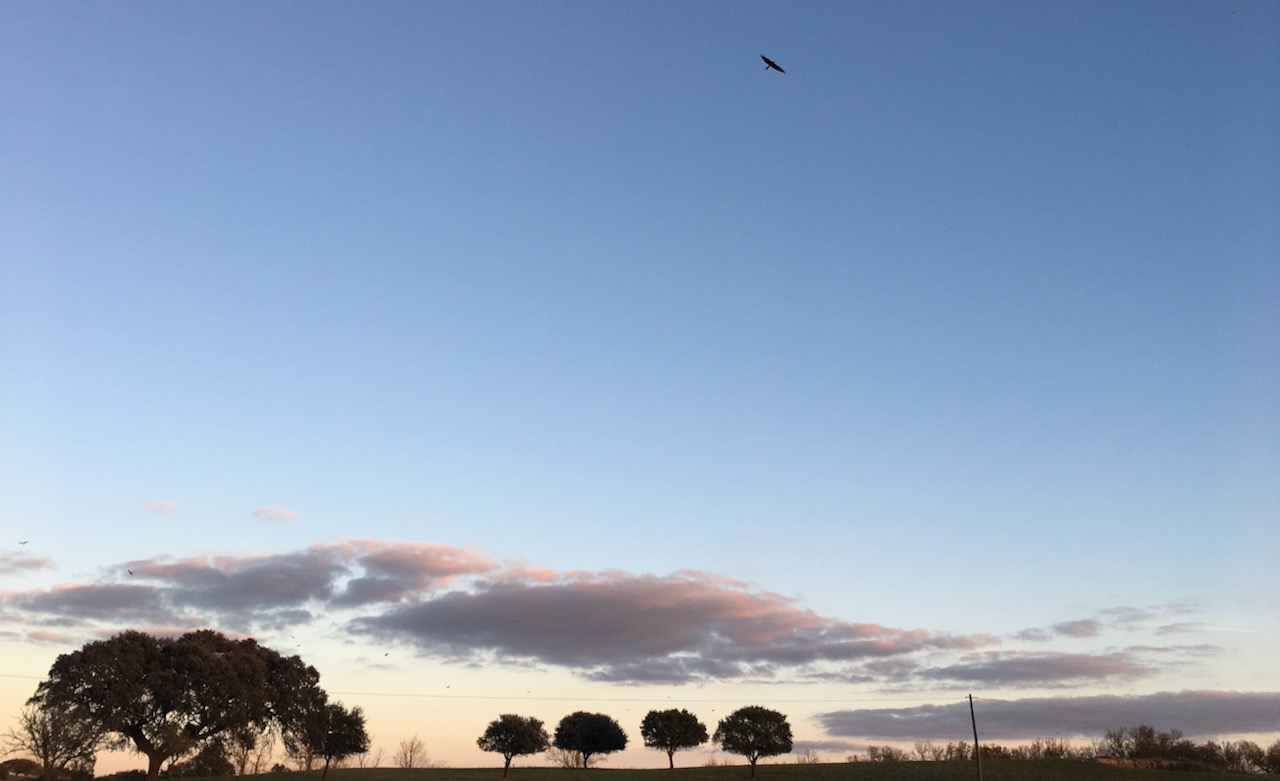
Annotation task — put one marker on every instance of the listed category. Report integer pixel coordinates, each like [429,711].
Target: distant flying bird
[23,542]
[129,571]
[768,63]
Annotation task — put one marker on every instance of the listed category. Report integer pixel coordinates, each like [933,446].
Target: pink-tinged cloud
[623,627]
[44,636]
[275,513]
[460,604]
[1200,715]
[13,562]
[244,593]
[250,587]
[395,570]
[77,604]
[162,506]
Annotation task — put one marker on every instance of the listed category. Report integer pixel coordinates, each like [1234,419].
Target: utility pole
[977,751]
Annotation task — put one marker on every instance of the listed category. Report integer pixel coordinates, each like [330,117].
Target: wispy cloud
[16,561]
[1083,628]
[1041,669]
[1199,714]
[162,506]
[1160,619]
[275,513]
[45,636]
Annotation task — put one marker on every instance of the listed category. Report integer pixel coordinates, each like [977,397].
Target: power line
[659,698]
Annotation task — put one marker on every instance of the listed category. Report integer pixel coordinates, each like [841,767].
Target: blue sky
[960,337]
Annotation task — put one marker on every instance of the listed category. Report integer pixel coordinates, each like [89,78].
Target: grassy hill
[993,770]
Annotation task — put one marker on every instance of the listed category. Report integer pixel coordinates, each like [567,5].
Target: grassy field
[994,770]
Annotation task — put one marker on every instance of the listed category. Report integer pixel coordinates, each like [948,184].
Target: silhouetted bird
[23,542]
[768,63]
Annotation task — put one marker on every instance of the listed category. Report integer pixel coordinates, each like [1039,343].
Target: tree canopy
[512,736]
[163,697]
[754,732]
[589,734]
[671,731]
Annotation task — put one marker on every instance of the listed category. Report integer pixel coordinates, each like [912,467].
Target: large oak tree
[164,697]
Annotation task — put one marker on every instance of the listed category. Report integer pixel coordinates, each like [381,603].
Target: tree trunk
[506,766]
[154,761]
[325,772]
[671,760]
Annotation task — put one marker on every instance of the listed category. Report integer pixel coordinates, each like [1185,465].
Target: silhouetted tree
[754,732]
[412,753]
[164,697]
[57,739]
[671,731]
[319,729]
[346,735]
[886,754]
[250,748]
[513,736]
[589,734]
[1271,759]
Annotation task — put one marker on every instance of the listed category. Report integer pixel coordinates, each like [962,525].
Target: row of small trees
[753,732]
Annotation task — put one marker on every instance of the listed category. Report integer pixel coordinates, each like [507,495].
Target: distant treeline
[1140,745]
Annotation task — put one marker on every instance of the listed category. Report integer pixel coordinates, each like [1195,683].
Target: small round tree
[589,734]
[672,730]
[754,732]
[512,736]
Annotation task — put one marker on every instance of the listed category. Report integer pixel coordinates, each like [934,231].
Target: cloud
[1084,628]
[162,506]
[1123,618]
[12,562]
[393,571]
[1042,669]
[460,604]
[243,590]
[77,604]
[622,627]
[1199,714]
[274,513]
[242,593]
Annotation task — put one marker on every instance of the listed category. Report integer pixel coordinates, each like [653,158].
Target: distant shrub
[19,768]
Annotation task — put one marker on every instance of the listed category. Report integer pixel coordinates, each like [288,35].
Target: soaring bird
[768,63]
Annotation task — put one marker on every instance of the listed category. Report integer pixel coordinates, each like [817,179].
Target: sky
[530,358]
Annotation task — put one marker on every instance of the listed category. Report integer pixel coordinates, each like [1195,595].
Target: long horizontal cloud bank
[1198,714]
[462,605]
